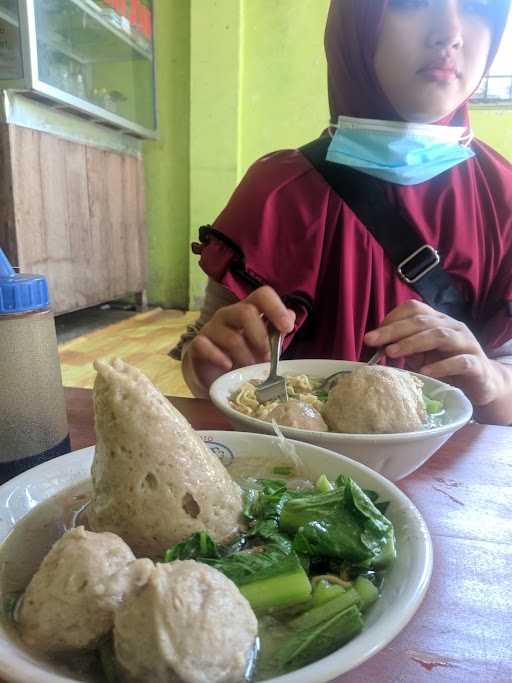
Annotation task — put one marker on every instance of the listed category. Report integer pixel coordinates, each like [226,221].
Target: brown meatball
[376,400]
[298,414]
[65,606]
[188,623]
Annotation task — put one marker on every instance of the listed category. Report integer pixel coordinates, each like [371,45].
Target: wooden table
[463,631]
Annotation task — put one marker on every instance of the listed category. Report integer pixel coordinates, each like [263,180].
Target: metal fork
[327,383]
[274,387]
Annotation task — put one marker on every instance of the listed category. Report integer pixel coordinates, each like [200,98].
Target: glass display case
[94,58]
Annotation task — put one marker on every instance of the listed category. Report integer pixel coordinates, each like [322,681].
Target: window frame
[493,102]
[490,102]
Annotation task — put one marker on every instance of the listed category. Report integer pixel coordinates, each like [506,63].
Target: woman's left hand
[441,347]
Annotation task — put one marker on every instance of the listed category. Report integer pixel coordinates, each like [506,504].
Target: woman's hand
[235,336]
[441,347]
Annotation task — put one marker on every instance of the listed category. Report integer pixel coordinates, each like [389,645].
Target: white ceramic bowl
[393,455]
[403,589]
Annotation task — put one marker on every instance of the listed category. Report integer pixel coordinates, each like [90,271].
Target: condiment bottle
[33,422]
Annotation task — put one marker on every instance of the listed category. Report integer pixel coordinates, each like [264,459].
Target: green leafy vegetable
[263,509]
[312,644]
[266,501]
[358,498]
[198,546]
[338,538]
[255,564]
[387,552]
[343,523]
[298,511]
[323,485]
[268,530]
[432,406]
[249,502]
[323,591]
[368,592]
[278,592]
[372,495]
[317,615]
[267,576]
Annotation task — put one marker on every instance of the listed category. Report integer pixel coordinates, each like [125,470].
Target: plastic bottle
[33,422]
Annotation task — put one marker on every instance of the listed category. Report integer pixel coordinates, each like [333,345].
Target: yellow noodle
[299,387]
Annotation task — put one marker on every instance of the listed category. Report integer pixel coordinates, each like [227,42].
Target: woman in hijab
[290,249]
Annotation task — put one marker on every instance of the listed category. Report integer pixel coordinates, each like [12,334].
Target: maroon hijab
[284,226]
[351,37]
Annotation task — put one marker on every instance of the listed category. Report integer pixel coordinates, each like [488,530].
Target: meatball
[375,400]
[154,481]
[64,606]
[298,414]
[189,623]
[113,591]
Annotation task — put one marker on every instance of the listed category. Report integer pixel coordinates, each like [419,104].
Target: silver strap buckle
[426,269]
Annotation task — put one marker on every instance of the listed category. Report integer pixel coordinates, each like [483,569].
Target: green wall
[283,94]
[167,162]
[214,117]
[236,79]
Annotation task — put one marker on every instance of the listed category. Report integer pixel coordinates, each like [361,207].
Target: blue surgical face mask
[401,153]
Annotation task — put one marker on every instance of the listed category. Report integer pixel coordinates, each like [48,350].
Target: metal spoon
[274,387]
[328,381]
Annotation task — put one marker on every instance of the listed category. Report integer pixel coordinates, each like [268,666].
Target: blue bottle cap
[20,293]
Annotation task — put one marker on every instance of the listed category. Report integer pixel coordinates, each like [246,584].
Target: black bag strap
[418,264]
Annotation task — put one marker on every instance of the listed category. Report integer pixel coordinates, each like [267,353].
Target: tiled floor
[143,340]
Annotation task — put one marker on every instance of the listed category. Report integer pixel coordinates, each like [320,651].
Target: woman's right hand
[234,337]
